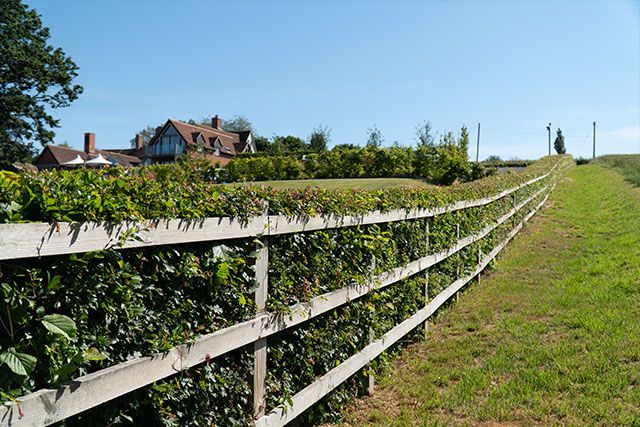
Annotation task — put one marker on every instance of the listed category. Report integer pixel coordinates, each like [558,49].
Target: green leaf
[223,272]
[19,363]
[93,354]
[60,324]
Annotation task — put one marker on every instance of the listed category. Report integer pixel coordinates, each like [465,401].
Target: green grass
[342,184]
[551,337]
[627,164]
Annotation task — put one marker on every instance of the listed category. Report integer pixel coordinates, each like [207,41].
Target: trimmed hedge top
[172,191]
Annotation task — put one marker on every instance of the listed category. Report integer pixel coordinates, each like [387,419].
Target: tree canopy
[558,144]
[319,139]
[375,139]
[35,77]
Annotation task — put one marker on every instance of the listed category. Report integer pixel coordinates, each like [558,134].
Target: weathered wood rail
[47,406]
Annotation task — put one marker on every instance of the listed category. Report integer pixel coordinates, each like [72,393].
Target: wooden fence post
[515,202]
[426,276]
[370,378]
[458,266]
[479,261]
[260,346]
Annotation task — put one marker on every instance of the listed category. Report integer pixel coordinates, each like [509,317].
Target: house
[54,156]
[177,138]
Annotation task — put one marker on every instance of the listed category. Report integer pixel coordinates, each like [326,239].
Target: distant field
[628,165]
[342,184]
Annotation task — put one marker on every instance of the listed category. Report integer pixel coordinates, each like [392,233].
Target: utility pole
[549,132]
[594,140]
[478,145]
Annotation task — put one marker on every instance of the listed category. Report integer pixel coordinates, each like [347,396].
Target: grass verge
[552,337]
[627,164]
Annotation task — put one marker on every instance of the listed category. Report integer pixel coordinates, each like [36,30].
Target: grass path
[552,337]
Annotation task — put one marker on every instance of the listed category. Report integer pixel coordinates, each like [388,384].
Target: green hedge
[441,164]
[127,303]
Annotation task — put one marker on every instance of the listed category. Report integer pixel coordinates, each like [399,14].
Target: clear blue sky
[289,66]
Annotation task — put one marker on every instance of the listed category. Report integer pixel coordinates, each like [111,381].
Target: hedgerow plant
[64,316]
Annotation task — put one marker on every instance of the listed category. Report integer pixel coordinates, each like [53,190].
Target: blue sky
[290,66]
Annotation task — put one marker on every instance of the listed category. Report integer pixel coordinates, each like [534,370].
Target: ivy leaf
[223,273]
[19,363]
[93,353]
[60,324]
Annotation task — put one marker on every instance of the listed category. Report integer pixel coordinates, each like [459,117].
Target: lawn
[627,164]
[343,184]
[550,337]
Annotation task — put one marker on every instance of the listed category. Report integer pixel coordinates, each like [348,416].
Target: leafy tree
[262,143]
[339,147]
[34,78]
[147,133]
[237,123]
[424,135]
[375,139]
[319,139]
[13,151]
[558,144]
[289,143]
[493,159]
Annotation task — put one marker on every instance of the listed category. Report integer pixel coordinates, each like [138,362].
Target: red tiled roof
[55,155]
[190,133]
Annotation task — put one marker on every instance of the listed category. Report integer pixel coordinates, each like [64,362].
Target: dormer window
[216,146]
[200,143]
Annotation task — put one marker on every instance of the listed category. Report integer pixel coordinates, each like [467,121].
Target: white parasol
[75,162]
[98,161]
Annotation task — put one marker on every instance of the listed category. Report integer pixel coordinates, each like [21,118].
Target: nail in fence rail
[44,407]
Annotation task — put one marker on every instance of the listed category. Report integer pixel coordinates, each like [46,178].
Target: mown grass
[343,184]
[551,337]
[627,164]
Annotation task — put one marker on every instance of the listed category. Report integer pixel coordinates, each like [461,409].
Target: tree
[289,143]
[35,77]
[493,159]
[237,123]
[12,152]
[424,135]
[147,133]
[339,147]
[375,139]
[262,143]
[558,144]
[319,139]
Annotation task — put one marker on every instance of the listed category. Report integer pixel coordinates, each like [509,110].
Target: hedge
[127,303]
[443,163]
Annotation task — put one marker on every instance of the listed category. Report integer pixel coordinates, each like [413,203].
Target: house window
[170,144]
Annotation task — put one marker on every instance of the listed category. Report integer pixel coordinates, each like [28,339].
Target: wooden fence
[48,406]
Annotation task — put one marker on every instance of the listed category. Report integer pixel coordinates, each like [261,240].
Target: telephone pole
[478,145]
[549,132]
[594,140]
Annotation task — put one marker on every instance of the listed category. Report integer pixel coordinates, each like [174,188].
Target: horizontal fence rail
[41,239]
[47,406]
[325,384]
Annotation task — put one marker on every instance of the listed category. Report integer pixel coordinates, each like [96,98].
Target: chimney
[139,141]
[89,142]
[216,122]
[158,129]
